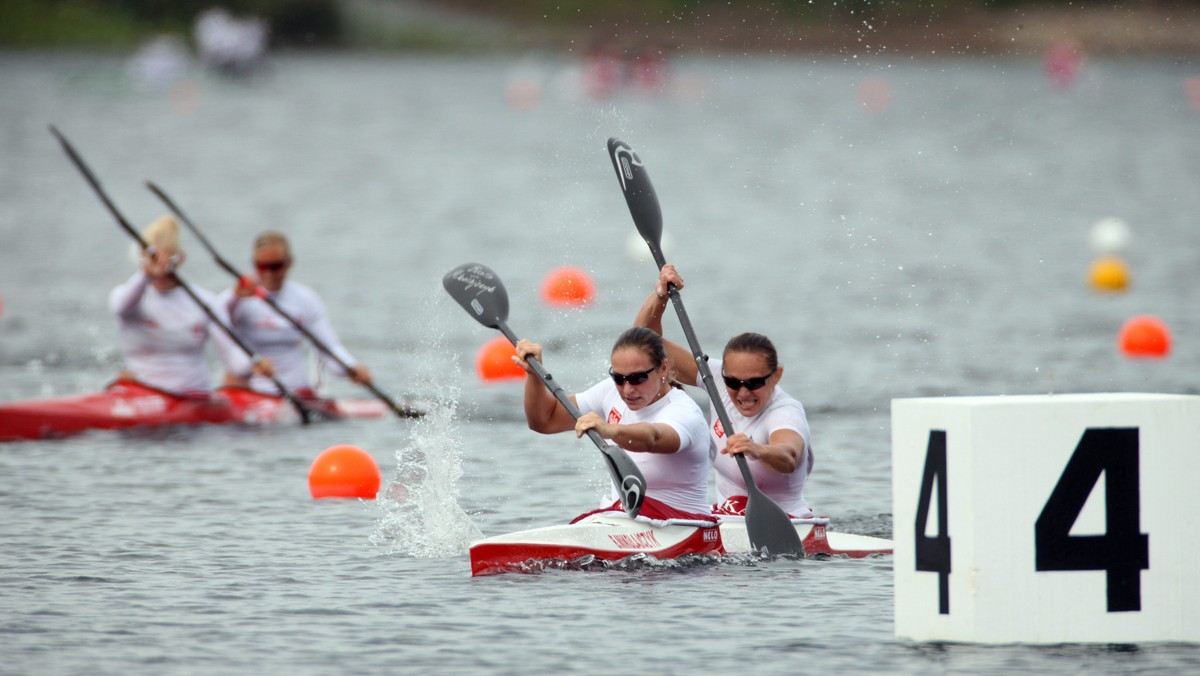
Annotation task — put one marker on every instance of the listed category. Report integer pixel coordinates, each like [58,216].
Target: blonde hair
[273,238]
[163,234]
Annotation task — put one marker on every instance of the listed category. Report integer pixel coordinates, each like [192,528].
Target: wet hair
[754,343]
[650,344]
[273,238]
[163,234]
[641,338]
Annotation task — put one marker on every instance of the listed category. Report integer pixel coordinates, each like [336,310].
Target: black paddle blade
[480,292]
[769,527]
[627,477]
[639,194]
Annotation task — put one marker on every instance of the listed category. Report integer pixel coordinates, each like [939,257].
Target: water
[937,247]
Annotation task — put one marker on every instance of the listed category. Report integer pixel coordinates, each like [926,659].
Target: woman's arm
[783,451]
[641,437]
[650,316]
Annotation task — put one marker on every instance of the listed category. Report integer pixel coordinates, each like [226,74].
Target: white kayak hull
[612,537]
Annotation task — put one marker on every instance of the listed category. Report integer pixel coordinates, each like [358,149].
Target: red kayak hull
[128,403]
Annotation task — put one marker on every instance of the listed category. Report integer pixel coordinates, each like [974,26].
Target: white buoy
[1110,235]
[1046,519]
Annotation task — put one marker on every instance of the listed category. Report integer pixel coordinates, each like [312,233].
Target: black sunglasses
[749,383]
[273,266]
[632,378]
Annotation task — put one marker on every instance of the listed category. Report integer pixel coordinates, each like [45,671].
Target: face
[632,361]
[748,366]
[272,264]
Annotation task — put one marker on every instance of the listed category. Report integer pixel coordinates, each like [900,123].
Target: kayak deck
[128,404]
[615,537]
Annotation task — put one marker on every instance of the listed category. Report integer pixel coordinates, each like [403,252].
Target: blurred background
[859,26]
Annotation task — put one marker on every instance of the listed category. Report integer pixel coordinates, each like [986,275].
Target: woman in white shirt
[638,409]
[273,336]
[162,330]
[771,427]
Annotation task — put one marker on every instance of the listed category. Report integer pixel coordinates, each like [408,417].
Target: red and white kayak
[612,536]
[128,403]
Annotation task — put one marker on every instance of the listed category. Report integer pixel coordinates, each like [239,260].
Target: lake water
[934,242]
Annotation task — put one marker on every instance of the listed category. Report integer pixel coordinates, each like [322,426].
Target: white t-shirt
[162,336]
[679,479]
[272,336]
[782,412]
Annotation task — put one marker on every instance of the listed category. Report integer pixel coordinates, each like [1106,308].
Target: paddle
[403,412]
[481,293]
[767,523]
[112,208]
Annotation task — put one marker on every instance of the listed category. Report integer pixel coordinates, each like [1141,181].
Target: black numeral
[933,553]
[1122,551]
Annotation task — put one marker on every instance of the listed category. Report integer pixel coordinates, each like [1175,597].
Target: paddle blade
[480,292]
[768,526]
[639,194]
[627,477]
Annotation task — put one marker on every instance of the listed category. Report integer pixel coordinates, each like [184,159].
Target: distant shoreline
[1144,27]
[1134,27]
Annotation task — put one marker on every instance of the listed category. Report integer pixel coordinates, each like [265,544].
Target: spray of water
[421,516]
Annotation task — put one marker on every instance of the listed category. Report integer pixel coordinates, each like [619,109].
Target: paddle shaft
[481,293]
[767,524]
[706,376]
[112,209]
[403,412]
[556,390]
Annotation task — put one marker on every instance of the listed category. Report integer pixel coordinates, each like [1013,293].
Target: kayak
[612,536]
[129,403]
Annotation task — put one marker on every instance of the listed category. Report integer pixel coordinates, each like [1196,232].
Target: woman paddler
[771,428]
[161,328]
[639,409]
[270,334]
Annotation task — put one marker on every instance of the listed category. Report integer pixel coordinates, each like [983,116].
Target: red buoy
[344,471]
[1145,336]
[494,361]
[568,286]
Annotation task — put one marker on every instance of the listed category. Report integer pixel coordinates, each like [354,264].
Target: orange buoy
[344,471]
[1109,274]
[1144,336]
[568,286]
[494,361]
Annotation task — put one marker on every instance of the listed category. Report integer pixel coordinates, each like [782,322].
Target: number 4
[933,553]
[1122,551]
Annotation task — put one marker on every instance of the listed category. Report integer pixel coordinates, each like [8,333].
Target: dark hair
[651,345]
[755,343]
[641,338]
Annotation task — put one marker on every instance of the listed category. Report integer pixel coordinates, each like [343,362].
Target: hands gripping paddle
[403,412]
[481,293]
[767,524]
[305,414]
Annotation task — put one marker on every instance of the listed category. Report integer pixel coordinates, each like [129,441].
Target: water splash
[421,515]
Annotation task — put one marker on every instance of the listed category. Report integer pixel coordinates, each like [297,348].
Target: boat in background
[129,403]
[612,536]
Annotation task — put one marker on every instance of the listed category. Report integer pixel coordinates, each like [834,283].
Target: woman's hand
[525,350]
[667,275]
[592,421]
[740,443]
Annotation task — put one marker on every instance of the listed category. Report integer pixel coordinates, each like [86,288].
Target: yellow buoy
[1109,274]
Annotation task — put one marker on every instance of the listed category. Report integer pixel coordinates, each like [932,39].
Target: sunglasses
[632,378]
[749,383]
[272,266]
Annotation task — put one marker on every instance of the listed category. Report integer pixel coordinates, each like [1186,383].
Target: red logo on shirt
[613,416]
[718,430]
